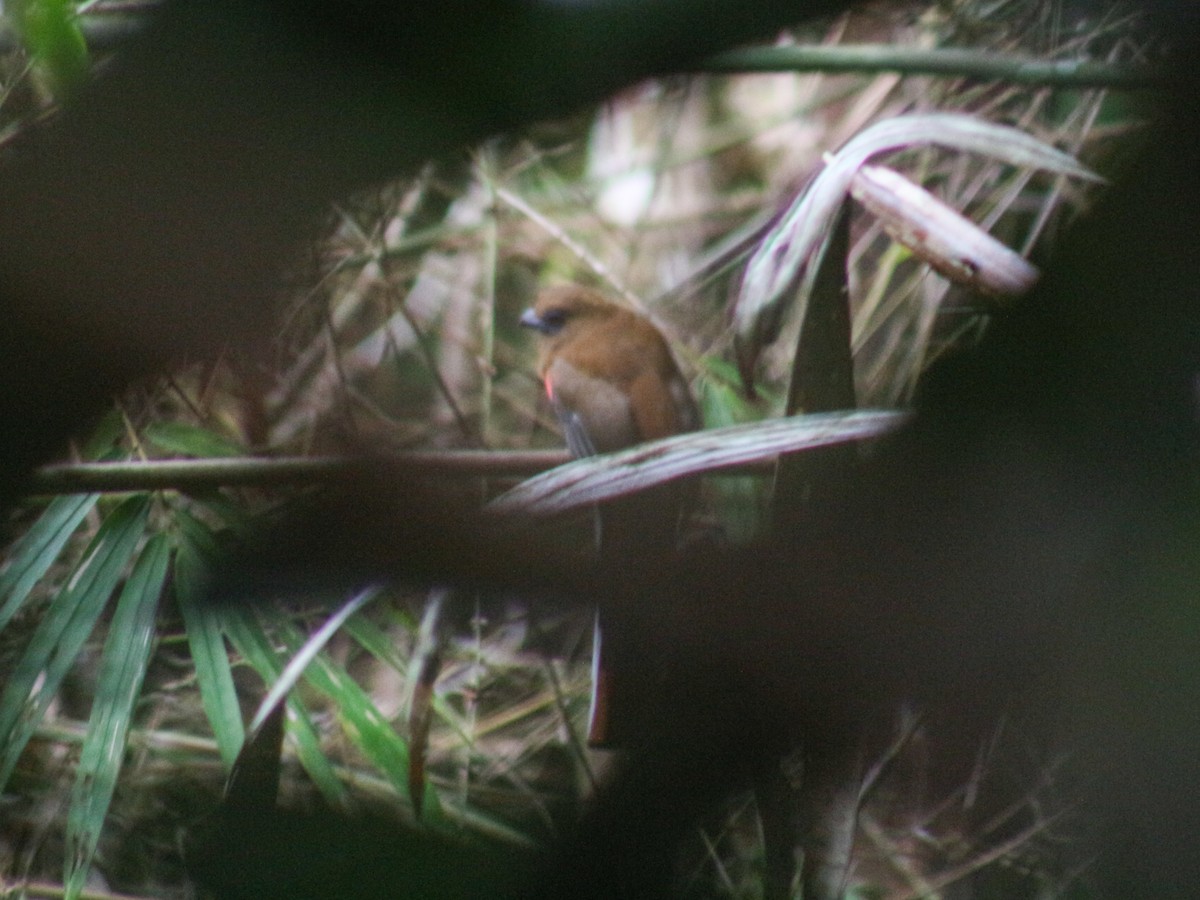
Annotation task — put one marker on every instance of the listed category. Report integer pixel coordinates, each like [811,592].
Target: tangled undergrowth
[398,330]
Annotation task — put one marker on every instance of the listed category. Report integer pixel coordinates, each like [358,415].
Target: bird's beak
[530,319]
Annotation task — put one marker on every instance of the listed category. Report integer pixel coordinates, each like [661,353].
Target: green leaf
[203,623]
[376,641]
[38,548]
[182,439]
[740,500]
[248,637]
[54,39]
[122,670]
[721,399]
[68,621]
[367,728]
[105,437]
[313,645]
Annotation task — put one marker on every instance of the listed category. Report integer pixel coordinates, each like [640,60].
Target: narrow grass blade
[122,669]
[67,623]
[202,620]
[37,550]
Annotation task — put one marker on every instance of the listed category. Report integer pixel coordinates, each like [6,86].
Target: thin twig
[206,474]
[985,858]
[947,62]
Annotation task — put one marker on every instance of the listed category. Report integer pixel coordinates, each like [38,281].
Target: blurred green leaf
[122,670]
[38,548]
[183,439]
[106,435]
[65,626]
[734,408]
[54,39]
[739,500]
[203,622]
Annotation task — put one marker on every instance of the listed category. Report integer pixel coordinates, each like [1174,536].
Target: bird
[612,381]
[608,372]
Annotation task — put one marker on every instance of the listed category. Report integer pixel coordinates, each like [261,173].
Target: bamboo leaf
[315,643]
[122,670]
[364,724]
[66,625]
[38,548]
[947,240]
[203,622]
[248,637]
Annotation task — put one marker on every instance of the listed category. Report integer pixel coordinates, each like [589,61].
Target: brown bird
[613,383]
[608,372]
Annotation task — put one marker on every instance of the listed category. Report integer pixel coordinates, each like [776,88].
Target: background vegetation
[397,330]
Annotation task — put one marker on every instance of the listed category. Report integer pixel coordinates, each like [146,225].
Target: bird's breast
[601,406]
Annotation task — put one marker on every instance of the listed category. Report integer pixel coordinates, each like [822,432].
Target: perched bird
[613,383]
[608,372]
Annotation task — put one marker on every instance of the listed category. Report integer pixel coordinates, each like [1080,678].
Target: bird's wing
[662,406]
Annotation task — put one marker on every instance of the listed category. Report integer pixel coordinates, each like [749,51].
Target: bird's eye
[554,319]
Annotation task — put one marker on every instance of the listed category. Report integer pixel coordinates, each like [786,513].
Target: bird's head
[566,308]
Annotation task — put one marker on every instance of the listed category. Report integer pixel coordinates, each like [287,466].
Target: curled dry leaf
[595,479]
[779,269]
[947,240]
